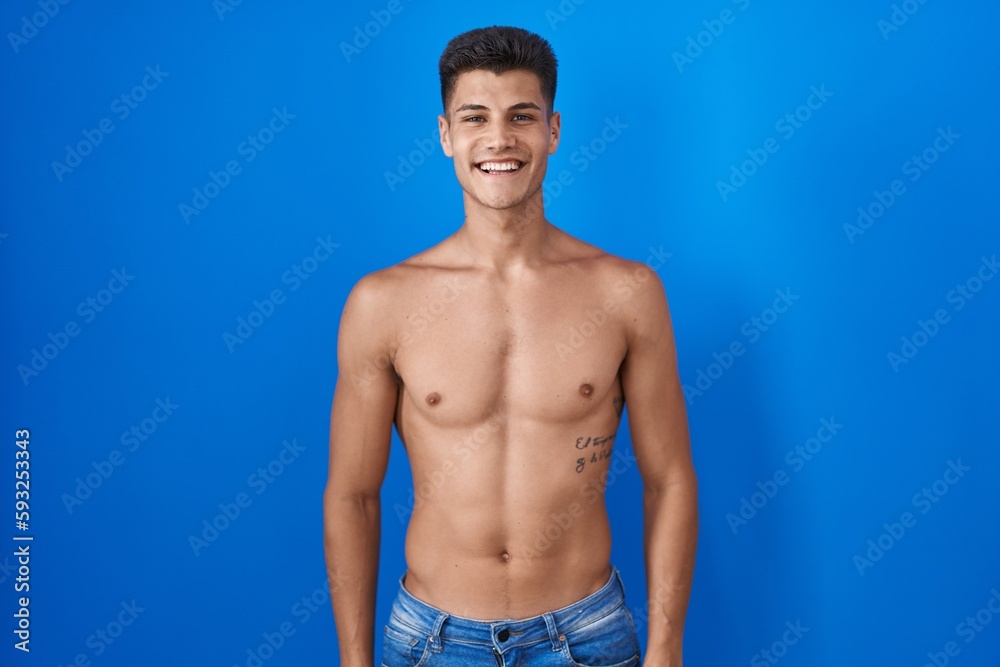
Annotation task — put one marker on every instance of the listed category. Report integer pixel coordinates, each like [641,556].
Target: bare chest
[543,354]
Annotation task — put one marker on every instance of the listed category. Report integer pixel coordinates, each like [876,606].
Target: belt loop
[618,575]
[554,635]
[434,641]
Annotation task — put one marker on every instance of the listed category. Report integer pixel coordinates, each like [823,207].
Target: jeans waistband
[433,623]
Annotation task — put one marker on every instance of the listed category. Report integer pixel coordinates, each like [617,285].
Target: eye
[473,119]
[523,116]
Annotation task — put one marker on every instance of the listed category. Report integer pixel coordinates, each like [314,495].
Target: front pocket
[398,648]
[607,642]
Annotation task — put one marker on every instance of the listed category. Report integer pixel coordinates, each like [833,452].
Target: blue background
[685,125]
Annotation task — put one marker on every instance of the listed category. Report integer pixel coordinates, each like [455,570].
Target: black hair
[498,49]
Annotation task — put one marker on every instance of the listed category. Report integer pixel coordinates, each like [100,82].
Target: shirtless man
[508,419]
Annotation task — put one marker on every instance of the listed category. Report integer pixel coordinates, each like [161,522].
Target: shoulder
[629,289]
[380,288]
[378,298]
[623,279]
[369,294]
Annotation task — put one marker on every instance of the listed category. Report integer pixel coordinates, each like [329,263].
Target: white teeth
[499,166]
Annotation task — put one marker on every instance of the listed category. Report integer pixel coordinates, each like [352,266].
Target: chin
[503,203]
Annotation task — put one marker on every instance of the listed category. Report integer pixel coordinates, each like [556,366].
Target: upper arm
[364,400]
[651,384]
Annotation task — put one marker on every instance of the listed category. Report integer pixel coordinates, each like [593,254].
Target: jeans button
[503,635]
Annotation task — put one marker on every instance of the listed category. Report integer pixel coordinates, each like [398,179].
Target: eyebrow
[515,107]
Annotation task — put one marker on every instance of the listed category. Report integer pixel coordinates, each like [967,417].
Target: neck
[503,239]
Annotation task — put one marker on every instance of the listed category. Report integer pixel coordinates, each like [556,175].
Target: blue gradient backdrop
[676,150]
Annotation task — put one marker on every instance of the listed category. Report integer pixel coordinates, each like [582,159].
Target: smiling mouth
[499,166]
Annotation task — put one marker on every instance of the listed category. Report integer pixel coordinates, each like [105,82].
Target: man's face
[498,131]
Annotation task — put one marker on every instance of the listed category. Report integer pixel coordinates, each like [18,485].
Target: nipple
[433,398]
[586,390]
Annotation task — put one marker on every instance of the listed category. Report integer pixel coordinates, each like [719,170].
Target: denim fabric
[597,631]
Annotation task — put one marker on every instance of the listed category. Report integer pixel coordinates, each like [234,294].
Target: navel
[433,398]
[586,390]
[504,556]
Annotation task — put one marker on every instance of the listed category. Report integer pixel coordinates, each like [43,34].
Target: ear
[555,127]
[445,136]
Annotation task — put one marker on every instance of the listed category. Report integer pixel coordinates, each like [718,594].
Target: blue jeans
[597,631]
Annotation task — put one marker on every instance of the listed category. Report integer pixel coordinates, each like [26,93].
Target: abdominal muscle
[508,528]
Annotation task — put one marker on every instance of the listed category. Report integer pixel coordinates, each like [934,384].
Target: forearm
[671,536]
[351,539]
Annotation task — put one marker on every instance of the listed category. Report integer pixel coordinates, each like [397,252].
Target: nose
[500,136]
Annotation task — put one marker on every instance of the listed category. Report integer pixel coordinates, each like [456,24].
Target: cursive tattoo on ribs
[600,448]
